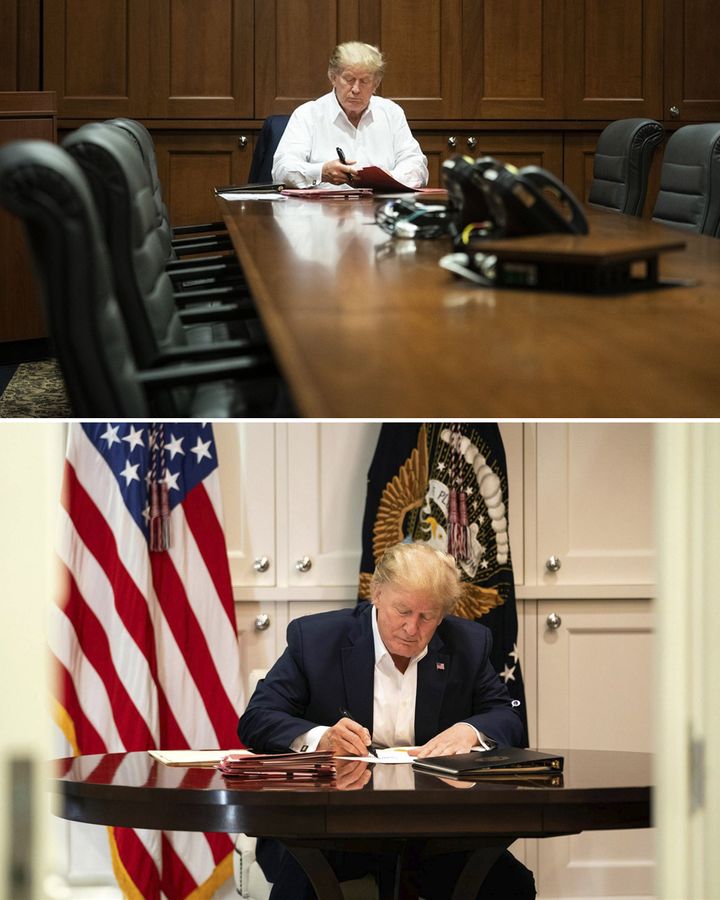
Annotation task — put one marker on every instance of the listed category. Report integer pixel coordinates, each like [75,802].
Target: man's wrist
[482,740]
[309,740]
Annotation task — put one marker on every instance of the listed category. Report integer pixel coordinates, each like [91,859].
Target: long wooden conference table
[598,790]
[366,325]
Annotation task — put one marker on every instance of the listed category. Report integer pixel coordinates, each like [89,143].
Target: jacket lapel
[358,669]
[433,672]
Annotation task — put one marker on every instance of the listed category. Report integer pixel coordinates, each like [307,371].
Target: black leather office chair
[123,198]
[265,147]
[689,195]
[205,237]
[623,157]
[219,269]
[44,186]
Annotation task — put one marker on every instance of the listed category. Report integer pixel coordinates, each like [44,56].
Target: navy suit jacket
[328,665]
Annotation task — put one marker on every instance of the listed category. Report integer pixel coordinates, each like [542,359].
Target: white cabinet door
[327,465]
[594,505]
[595,691]
[261,636]
[246,455]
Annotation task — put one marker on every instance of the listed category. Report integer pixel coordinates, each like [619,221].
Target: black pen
[343,712]
[341,157]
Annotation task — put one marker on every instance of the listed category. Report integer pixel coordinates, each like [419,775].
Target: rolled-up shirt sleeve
[410,162]
[292,163]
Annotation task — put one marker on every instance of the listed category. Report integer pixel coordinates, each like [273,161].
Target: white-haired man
[408,673]
[367,130]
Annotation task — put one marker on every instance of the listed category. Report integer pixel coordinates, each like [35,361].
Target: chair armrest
[196,353]
[220,312]
[186,246]
[197,268]
[229,259]
[243,858]
[227,291]
[242,367]
[199,229]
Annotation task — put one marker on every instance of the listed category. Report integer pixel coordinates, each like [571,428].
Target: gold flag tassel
[159,521]
[458,530]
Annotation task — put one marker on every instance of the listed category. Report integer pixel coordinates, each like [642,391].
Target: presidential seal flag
[446,483]
[144,637]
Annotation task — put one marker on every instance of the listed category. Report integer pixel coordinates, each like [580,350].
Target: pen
[341,157]
[343,712]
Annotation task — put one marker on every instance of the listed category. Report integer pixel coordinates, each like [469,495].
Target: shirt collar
[381,650]
[340,112]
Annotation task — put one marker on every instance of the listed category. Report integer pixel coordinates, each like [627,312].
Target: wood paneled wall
[528,79]
[20,46]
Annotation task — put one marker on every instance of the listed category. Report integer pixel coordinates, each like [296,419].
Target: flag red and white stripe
[145,641]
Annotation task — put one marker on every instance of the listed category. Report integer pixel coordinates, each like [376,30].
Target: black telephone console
[488,198]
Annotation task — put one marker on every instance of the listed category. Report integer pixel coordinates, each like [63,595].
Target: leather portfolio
[500,761]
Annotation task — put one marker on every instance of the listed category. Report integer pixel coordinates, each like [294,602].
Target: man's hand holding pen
[340,170]
[346,737]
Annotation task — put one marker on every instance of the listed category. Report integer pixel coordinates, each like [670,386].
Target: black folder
[500,761]
[274,188]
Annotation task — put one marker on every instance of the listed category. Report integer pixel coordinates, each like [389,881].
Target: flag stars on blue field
[128,448]
[134,438]
[201,449]
[129,473]
[174,446]
[111,435]
[171,480]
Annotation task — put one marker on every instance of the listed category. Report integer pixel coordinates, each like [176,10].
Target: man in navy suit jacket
[398,671]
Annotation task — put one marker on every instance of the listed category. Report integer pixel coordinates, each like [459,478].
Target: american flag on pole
[145,640]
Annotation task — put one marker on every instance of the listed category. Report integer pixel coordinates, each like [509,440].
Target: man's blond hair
[355,53]
[419,567]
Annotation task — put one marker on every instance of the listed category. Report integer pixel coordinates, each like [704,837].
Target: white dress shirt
[394,695]
[316,129]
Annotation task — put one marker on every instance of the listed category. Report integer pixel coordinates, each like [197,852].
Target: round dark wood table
[381,809]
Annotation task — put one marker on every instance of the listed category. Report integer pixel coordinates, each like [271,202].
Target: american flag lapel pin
[440,667]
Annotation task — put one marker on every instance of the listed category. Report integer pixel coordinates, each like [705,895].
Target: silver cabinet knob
[261,564]
[674,111]
[472,142]
[304,564]
[452,142]
[242,142]
[553,621]
[262,622]
[553,564]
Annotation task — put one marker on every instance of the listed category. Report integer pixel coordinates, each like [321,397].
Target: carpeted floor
[36,390]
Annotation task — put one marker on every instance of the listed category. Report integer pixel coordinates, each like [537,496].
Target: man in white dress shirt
[399,671]
[366,129]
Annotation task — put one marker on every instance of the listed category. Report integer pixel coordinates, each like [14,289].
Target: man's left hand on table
[459,738]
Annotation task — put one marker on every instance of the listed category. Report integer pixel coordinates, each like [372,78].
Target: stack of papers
[341,193]
[381,181]
[203,758]
[319,765]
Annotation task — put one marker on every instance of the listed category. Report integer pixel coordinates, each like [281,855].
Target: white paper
[245,195]
[391,755]
[394,755]
[193,757]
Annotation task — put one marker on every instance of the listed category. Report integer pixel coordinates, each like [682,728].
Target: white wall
[30,469]
[688,684]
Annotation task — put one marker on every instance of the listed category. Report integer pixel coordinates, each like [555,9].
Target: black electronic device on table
[488,198]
